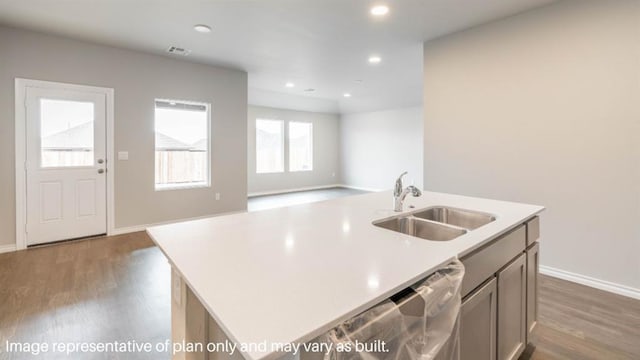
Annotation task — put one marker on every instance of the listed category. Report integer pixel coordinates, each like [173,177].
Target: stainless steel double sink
[439,223]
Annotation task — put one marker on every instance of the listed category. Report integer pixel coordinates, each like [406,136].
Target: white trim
[20,149]
[360,188]
[111,161]
[7,248]
[591,282]
[21,157]
[182,186]
[286,191]
[136,228]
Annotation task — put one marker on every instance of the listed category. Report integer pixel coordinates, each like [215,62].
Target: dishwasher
[419,323]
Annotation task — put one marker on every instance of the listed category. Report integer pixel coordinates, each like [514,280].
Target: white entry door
[66,164]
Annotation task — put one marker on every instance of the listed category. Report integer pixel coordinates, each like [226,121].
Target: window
[66,130]
[269,146]
[300,146]
[182,144]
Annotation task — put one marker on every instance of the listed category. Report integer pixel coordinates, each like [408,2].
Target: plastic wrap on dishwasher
[422,324]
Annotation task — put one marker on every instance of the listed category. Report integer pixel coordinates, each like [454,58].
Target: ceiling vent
[178,51]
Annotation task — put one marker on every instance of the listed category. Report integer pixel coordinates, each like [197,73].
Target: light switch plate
[123,155]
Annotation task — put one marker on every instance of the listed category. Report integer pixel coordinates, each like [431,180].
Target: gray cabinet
[512,308]
[500,295]
[486,261]
[533,264]
[478,329]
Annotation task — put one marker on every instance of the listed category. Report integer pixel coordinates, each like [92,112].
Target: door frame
[21,86]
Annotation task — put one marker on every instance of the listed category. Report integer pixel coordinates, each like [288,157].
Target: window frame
[282,146]
[184,186]
[289,145]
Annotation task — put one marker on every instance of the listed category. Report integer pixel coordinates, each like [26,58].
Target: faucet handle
[415,191]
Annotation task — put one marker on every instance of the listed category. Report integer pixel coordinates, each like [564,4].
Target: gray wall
[378,146]
[137,79]
[325,151]
[544,108]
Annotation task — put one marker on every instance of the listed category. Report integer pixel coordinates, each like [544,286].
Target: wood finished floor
[99,290]
[118,288]
[579,322]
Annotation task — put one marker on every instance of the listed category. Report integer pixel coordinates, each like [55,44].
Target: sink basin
[462,218]
[421,228]
[438,223]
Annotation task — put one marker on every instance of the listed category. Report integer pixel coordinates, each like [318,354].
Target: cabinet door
[512,308]
[478,324]
[533,263]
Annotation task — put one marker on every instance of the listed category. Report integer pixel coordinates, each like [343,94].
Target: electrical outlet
[123,155]
[333,174]
[217,196]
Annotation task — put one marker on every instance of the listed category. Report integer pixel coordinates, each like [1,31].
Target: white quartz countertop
[289,274]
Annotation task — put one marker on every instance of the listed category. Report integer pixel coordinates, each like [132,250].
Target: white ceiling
[320,44]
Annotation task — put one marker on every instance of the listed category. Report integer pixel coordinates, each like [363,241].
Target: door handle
[100,161]
[100,171]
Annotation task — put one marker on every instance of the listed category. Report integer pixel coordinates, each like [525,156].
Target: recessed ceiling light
[379,10]
[309,90]
[201,28]
[347,95]
[290,85]
[374,59]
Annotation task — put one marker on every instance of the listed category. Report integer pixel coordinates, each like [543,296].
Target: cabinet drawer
[533,230]
[486,261]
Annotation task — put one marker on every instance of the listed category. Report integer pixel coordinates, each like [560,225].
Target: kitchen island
[287,275]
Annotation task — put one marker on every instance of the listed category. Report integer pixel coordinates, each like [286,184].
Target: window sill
[186,186]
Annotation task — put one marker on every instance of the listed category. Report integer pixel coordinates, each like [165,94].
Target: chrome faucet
[399,194]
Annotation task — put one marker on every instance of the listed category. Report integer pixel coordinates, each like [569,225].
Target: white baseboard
[591,282]
[7,248]
[286,191]
[136,228]
[360,188]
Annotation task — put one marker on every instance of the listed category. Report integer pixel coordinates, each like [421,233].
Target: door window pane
[66,133]
[269,146]
[300,146]
[182,144]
